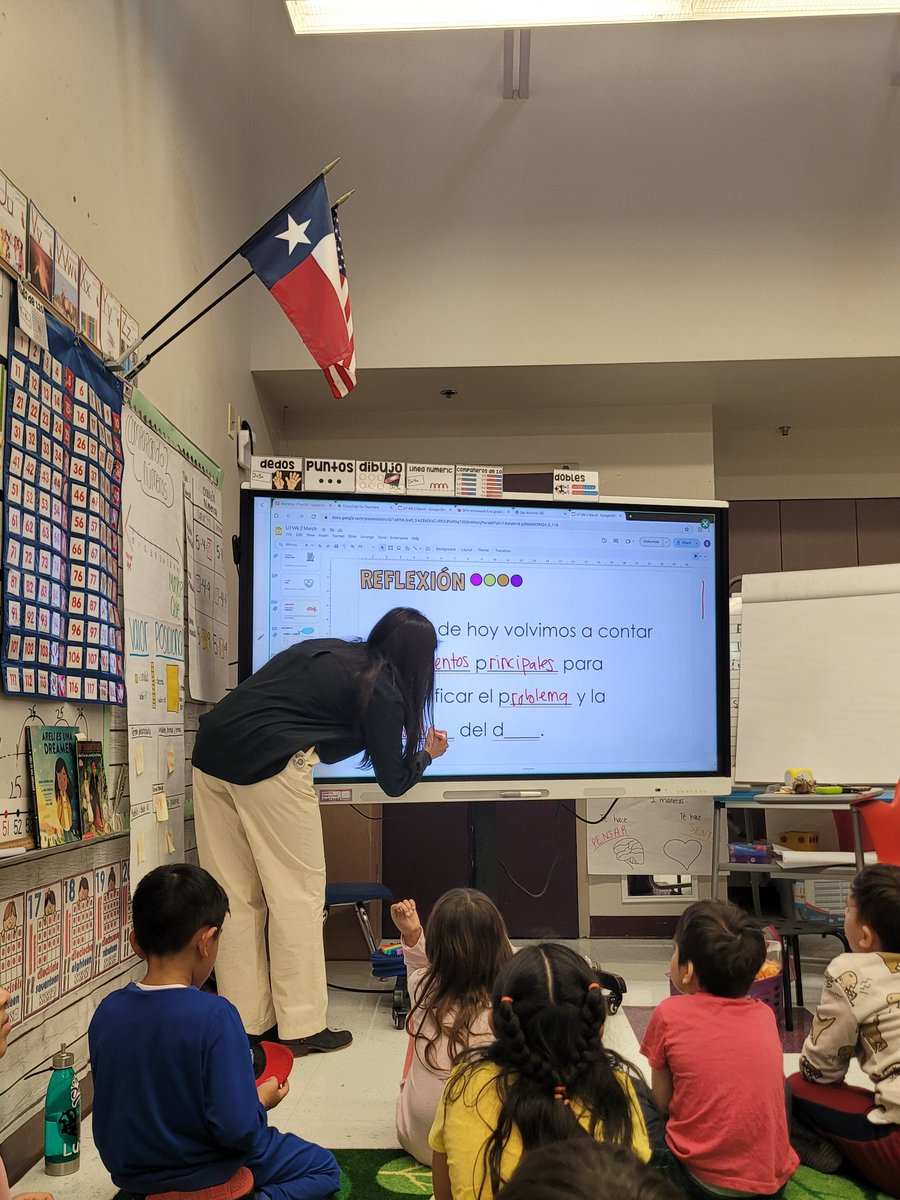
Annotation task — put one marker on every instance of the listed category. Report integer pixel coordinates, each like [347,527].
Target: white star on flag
[294,234]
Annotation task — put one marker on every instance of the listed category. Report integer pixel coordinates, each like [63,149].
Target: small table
[789,930]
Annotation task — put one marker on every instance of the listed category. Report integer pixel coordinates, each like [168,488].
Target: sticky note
[170,842]
[160,807]
[139,847]
[173,691]
[170,759]
[139,758]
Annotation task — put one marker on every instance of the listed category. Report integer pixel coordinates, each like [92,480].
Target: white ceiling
[705,214]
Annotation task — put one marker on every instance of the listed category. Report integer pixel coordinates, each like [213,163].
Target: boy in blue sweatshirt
[176,1105]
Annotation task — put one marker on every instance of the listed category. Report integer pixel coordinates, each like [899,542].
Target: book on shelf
[93,789]
[51,763]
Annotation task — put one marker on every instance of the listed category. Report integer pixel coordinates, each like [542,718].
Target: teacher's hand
[436,742]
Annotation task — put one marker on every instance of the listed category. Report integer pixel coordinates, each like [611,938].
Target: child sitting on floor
[859,1017]
[546,1077]
[581,1169]
[451,969]
[176,1106]
[717,1062]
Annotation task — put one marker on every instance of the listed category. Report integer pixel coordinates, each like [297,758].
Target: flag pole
[342,199]
[203,282]
[178,332]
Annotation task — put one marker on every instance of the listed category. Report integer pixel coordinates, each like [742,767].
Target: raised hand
[406,917]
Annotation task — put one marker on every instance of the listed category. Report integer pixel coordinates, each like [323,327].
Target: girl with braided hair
[546,1077]
[451,968]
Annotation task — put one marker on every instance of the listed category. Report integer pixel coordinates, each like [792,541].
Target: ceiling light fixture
[375,16]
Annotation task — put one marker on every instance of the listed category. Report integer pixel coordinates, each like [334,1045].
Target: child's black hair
[579,1169]
[173,902]
[548,1015]
[876,892]
[725,945]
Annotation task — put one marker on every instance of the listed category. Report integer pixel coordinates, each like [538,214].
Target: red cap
[272,1059]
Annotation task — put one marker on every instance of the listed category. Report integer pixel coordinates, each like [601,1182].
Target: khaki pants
[263,842]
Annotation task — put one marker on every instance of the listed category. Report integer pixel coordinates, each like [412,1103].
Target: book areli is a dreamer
[51,758]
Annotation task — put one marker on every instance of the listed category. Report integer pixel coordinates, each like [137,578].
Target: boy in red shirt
[717,1063]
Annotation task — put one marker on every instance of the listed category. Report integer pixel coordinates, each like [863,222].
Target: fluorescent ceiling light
[379,16]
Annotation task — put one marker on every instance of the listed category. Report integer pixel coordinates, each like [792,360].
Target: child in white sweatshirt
[859,1017]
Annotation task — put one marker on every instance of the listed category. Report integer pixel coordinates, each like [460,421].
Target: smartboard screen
[576,641]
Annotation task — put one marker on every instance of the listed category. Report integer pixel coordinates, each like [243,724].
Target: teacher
[257,819]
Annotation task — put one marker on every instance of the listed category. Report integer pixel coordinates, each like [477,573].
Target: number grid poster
[63,466]
[153,570]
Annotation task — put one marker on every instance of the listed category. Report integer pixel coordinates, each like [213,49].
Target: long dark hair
[467,946]
[548,1016]
[404,641]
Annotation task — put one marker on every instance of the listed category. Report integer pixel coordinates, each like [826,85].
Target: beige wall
[813,462]
[645,452]
[135,146]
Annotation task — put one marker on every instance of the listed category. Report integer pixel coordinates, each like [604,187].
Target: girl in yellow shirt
[546,1077]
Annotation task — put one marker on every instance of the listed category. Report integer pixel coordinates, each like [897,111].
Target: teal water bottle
[62,1116]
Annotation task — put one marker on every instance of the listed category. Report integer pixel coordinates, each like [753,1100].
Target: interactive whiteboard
[583,648]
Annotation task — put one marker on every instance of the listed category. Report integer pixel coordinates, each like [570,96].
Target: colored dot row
[477,580]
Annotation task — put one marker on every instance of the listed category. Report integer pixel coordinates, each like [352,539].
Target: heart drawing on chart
[629,850]
[683,851]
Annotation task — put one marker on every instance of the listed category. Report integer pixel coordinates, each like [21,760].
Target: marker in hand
[436,742]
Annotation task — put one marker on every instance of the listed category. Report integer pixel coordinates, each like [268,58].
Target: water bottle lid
[63,1058]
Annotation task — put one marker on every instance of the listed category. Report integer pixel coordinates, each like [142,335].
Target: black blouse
[308,696]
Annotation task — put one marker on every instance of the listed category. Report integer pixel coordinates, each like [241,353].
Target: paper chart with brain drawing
[153,566]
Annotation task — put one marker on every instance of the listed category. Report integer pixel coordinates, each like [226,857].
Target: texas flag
[298,257]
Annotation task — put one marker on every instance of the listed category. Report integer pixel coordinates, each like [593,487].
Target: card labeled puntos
[329,475]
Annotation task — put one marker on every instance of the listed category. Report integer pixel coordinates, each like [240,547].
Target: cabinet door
[352,854]
[754,537]
[818,533]
[531,834]
[426,851]
[878,530]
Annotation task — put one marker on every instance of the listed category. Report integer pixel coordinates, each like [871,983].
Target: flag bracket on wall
[299,256]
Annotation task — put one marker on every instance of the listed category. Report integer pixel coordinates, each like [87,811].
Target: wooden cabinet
[806,535]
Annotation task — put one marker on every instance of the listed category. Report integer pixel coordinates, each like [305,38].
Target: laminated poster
[41,246]
[127,924]
[43,947]
[108,909]
[78,930]
[89,303]
[13,212]
[65,280]
[110,323]
[207,595]
[12,953]
[154,571]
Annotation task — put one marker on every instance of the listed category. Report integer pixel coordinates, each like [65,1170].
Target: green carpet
[378,1174]
[371,1174]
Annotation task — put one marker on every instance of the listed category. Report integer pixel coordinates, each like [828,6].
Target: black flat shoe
[319,1043]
